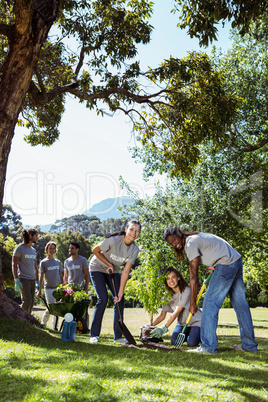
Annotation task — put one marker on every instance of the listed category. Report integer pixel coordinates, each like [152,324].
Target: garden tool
[181,337]
[121,324]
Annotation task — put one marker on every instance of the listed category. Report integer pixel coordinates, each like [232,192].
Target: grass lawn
[36,365]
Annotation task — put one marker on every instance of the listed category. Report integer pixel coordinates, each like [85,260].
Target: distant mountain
[104,209]
[108,208]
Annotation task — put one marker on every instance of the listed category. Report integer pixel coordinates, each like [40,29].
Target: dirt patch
[151,345]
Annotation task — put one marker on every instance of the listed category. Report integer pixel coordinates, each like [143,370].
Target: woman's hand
[118,298]
[110,269]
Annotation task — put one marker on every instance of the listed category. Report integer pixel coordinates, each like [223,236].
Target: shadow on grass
[236,326]
[95,368]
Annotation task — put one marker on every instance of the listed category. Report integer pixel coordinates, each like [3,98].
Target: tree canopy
[226,193]
[11,224]
[88,50]
[243,75]
[201,17]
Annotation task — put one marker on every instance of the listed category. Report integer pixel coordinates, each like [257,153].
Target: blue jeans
[226,279]
[192,335]
[100,282]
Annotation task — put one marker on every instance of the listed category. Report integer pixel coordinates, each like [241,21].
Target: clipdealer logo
[44,196]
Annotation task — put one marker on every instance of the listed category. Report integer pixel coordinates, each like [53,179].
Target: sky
[83,167]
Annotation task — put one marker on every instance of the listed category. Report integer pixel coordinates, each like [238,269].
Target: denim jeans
[100,282]
[226,279]
[192,335]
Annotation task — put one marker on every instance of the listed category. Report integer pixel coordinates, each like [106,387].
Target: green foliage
[92,54]
[220,199]
[200,109]
[256,267]
[202,17]
[7,246]
[77,223]
[10,223]
[88,225]
[222,106]
[146,285]
[89,54]
[226,193]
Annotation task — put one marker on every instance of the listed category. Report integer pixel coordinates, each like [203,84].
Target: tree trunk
[32,24]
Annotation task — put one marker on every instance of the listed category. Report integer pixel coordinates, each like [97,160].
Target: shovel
[121,324]
[181,336]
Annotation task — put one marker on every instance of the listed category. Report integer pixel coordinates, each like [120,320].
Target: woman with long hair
[118,249]
[179,309]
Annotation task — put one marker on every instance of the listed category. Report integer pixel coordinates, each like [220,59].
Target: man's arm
[15,261]
[36,271]
[194,264]
[41,284]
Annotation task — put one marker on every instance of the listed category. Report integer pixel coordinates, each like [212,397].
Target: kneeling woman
[179,307]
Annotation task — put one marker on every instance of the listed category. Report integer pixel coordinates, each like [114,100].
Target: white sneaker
[120,340]
[94,339]
[198,350]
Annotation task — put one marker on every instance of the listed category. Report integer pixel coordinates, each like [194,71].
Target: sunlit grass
[36,365]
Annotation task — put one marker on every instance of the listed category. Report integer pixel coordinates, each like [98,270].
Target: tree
[77,223]
[111,225]
[203,203]
[244,74]
[201,16]
[37,71]
[7,246]
[11,224]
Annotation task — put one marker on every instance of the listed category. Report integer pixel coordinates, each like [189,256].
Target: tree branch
[250,148]
[81,60]
[40,97]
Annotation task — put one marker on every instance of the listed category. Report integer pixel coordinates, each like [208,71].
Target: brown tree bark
[33,21]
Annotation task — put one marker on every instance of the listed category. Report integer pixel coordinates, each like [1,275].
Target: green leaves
[197,108]
[201,17]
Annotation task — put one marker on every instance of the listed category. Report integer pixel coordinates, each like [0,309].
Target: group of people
[26,274]
[120,249]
